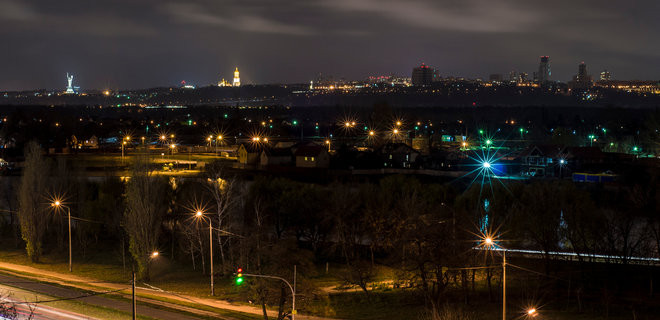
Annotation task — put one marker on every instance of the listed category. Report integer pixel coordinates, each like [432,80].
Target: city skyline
[136,45]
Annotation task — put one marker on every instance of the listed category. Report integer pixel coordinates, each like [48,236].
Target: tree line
[425,232]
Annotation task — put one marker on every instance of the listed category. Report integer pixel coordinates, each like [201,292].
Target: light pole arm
[293,293]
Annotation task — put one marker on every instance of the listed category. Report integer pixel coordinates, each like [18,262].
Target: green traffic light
[239,281]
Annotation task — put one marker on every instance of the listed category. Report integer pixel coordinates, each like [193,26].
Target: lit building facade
[237,78]
[605,76]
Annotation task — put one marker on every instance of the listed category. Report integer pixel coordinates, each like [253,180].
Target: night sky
[148,43]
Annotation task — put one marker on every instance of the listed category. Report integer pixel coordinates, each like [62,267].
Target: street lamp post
[292,288]
[219,137]
[489,243]
[153,255]
[59,204]
[562,162]
[199,214]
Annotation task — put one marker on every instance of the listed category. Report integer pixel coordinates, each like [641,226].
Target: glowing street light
[200,215]
[372,133]
[489,243]
[531,312]
[153,255]
[58,204]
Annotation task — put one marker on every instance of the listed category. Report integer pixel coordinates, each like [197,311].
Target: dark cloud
[124,43]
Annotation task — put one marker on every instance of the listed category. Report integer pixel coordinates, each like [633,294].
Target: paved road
[86,283]
[97,300]
[40,312]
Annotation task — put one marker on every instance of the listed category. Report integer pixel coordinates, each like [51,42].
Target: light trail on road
[574,255]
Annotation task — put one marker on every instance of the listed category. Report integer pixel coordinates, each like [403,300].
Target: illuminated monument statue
[237,78]
[69,87]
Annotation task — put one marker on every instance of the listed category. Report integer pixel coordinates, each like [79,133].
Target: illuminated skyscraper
[544,70]
[237,78]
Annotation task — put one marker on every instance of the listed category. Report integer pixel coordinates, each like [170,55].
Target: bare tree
[223,190]
[32,211]
[146,206]
[7,308]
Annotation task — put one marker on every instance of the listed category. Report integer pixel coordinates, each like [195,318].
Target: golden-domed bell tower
[237,78]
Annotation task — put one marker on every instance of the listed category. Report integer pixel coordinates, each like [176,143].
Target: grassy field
[381,303]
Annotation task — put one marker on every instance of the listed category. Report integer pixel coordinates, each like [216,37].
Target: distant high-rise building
[237,78]
[423,75]
[582,80]
[495,77]
[605,76]
[523,77]
[544,70]
[513,76]
[582,72]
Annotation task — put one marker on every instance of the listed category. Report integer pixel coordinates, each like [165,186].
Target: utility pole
[134,302]
[211,250]
[70,259]
[504,285]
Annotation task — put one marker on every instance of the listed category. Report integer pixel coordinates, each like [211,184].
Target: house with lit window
[541,160]
[397,155]
[312,156]
[248,153]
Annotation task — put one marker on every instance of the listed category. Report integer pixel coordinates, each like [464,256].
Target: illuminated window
[312,159]
[305,158]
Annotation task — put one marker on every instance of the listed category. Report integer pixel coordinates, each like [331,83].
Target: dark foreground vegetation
[401,244]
